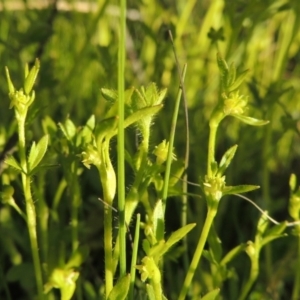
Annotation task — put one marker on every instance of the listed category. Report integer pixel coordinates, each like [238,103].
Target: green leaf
[21,273]
[250,121]
[77,257]
[68,129]
[149,96]
[146,246]
[232,74]
[12,162]
[212,295]
[269,239]
[277,229]
[178,235]
[86,134]
[215,244]
[49,126]
[239,189]
[158,221]
[233,253]
[68,290]
[120,290]
[110,95]
[105,127]
[37,152]
[142,113]
[293,182]
[226,159]
[158,250]
[262,226]
[214,168]
[31,77]
[150,292]
[223,67]
[274,233]
[11,87]
[235,85]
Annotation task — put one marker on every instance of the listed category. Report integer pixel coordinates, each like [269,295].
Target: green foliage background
[78,54]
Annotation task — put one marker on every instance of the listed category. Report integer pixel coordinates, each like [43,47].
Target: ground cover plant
[149,150]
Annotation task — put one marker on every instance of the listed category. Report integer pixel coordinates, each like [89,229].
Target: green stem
[252,277]
[171,143]
[211,146]
[157,290]
[75,205]
[75,196]
[108,250]
[266,184]
[134,256]
[296,288]
[121,143]
[211,213]
[215,119]
[108,179]
[30,208]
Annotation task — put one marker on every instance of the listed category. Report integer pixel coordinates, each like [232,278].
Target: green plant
[21,100]
[106,141]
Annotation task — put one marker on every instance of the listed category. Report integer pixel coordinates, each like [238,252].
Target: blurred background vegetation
[76,42]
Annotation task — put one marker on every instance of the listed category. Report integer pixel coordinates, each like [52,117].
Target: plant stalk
[30,208]
[296,288]
[211,213]
[171,142]
[252,278]
[121,140]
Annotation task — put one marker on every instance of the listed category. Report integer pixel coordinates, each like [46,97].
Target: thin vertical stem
[171,143]
[121,143]
[252,277]
[211,147]
[30,208]
[296,288]
[108,179]
[134,257]
[211,213]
